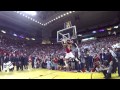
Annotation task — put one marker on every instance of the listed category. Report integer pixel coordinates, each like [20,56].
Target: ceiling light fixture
[58,16]
[67,13]
[17,11]
[14,34]
[20,13]
[61,16]
[80,35]
[33,19]
[33,13]
[27,38]
[64,14]
[94,32]
[70,12]
[115,26]
[109,29]
[33,38]
[3,31]
[26,16]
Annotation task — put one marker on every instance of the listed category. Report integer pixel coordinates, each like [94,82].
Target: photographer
[107,71]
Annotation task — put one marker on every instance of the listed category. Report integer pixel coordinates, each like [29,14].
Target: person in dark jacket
[79,68]
[18,63]
[61,63]
[1,62]
[33,57]
[44,64]
[21,58]
[107,71]
[90,58]
[118,57]
[104,57]
[6,58]
[25,63]
[87,62]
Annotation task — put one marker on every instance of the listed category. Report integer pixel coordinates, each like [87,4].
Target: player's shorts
[69,55]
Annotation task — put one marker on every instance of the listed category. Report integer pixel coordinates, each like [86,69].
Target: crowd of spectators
[93,54]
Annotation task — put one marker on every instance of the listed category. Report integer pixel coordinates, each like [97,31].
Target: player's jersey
[68,50]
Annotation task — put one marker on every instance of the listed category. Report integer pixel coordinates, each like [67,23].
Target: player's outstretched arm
[63,43]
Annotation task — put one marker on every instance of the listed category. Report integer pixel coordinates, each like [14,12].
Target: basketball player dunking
[67,44]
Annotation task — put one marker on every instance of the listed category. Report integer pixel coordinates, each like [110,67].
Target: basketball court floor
[51,74]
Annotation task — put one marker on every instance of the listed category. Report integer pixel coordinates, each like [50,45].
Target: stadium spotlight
[3,31]
[21,36]
[31,18]
[23,14]
[61,16]
[58,16]
[102,30]
[67,13]
[64,14]
[80,35]
[33,38]
[94,32]
[27,38]
[33,13]
[109,29]
[115,26]
[17,12]
[70,12]
[14,34]
[26,16]
[20,13]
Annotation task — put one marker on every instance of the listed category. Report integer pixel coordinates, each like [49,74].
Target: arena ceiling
[84,20]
